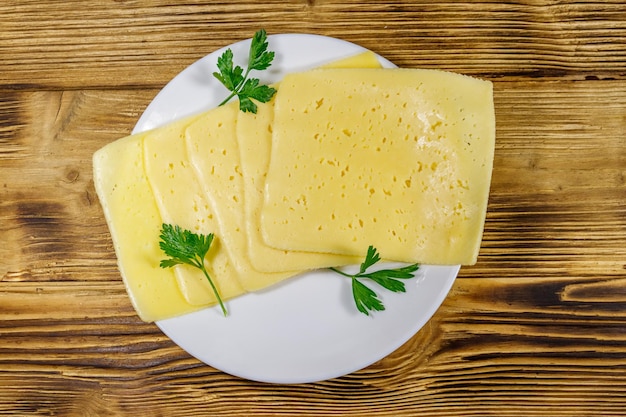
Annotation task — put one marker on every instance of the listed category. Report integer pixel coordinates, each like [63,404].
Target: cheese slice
[181,202]
[135,206]
[396,158]
[366,59]
[134,222]
[254,136]
[214,155]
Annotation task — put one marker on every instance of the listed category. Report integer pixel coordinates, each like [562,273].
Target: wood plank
[547,346]
[559,182]
[50,219]
[557,193]
[69,45]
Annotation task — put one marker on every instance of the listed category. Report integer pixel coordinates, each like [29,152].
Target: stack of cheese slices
[345,156]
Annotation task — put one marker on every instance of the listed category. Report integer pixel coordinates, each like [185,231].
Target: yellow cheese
[367,59]
[214,156]
[135,206]
[134,223]
[399,159]
[181,202]
[254,135]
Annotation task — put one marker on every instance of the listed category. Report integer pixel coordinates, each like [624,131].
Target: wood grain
[140,43]
[482,348]
[537,327]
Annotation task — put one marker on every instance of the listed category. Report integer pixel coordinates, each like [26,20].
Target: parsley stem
[217,294]
[236,89]
[226,99]
[341,272]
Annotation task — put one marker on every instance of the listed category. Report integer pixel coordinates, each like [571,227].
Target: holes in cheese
[400,159]
[254,136]
[214,155]
[134,222]
[181,201]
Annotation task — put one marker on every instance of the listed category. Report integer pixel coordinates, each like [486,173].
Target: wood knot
[71,175]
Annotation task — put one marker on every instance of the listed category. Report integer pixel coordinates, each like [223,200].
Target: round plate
[306,329]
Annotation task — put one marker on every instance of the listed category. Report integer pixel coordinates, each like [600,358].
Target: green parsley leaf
[229,76]
[388,278]
[370,259]
[366,299]
[252,90]
[237,82]
[186,247]
[259,58]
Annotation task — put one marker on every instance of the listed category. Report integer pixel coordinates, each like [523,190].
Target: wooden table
[537,327]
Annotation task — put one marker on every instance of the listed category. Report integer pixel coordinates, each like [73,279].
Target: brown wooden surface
[536,328]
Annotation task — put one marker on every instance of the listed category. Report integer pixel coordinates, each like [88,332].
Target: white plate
[306,329]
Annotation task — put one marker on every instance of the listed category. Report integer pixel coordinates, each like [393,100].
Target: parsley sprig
[186,247]
[365,298]
[238,83]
